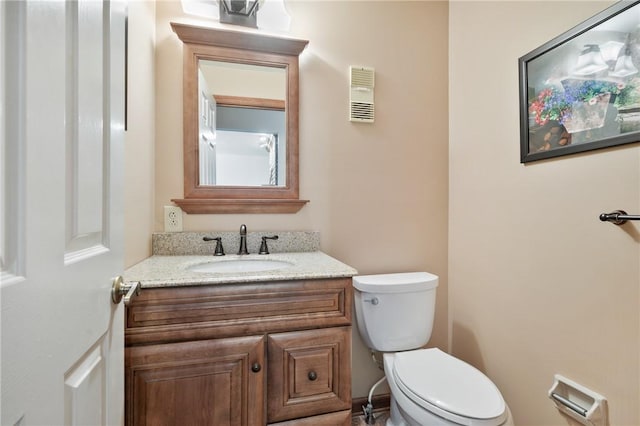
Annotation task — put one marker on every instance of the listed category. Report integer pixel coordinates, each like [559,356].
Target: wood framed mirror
[239,86]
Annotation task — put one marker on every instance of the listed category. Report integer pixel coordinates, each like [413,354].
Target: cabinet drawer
[309,372]
[214,311]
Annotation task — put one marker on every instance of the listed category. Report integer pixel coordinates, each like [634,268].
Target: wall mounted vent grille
[362,77]
[362,112]
[361,105]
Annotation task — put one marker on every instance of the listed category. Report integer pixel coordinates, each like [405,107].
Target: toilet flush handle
[374,301]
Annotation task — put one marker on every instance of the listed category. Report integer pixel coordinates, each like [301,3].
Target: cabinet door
[309,373]
[211,382]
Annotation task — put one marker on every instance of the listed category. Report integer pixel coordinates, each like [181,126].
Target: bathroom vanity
[242,347]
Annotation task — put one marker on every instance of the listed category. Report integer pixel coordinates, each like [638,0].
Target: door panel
[84,387]
[12,115]
[62,101]
[86,139]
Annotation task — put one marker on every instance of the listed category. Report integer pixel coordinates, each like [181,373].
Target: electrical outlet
[172,219]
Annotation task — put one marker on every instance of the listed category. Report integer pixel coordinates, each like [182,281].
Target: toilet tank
[395,312]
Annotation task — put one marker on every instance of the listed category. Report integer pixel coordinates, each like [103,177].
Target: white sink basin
[239,265]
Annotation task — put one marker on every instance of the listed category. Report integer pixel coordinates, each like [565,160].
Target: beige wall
[140,134]
[537,284]
[378,191]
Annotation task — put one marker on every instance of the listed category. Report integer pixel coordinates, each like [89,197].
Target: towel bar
[618,217]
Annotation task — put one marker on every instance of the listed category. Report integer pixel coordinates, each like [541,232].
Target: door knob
[120,289]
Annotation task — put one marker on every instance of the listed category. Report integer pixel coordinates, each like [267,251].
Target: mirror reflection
[242,124]
[240,158]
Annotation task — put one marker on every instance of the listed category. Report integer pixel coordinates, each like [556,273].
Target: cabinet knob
[256,367]
[312,375]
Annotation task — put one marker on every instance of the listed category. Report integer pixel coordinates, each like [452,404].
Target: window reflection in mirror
[242,124]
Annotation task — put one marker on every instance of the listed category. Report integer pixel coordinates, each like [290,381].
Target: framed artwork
[581,90]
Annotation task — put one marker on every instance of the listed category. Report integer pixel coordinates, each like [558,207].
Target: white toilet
[428,387]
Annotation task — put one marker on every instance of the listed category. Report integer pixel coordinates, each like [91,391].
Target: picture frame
[581,90]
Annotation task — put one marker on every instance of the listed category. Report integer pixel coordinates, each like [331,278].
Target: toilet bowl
[395,314]
[431,387]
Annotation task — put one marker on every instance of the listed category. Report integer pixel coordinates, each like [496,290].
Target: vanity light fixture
[261,14]
[240,12]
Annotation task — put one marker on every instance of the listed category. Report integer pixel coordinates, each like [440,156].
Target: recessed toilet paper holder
[581,404]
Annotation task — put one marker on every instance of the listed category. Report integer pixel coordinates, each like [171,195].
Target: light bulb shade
[274,16]
[204,8]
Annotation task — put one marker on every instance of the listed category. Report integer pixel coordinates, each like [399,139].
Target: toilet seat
[448,387]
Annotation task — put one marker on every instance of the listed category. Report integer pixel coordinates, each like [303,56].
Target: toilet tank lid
[403,282]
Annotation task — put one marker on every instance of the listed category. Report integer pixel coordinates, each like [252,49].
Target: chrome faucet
[243,240]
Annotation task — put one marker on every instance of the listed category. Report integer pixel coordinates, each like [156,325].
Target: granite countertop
[173,271]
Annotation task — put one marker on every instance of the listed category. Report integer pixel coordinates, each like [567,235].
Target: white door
[61,237]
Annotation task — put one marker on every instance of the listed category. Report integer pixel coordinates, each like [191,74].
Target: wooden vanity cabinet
[276,353]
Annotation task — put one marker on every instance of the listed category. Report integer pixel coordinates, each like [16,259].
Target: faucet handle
[219,251]
[263,246]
